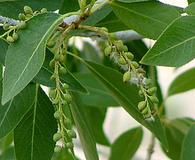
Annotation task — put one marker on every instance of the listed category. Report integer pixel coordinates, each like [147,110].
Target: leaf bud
[57,137]
[28,10]
[127,76]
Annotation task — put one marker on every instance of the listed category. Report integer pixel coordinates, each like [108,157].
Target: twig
[151,148]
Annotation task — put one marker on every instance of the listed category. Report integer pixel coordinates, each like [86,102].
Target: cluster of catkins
[134,74]
[61,98]
[11,30]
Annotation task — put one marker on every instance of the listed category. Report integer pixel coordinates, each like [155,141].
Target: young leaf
[176,131]
[175,46]
[190,9]
[126,95]
[183,83]
[13,112]
[29,54]
[188,148]
[85,133]
[126,145]
[147,18]
[33,136]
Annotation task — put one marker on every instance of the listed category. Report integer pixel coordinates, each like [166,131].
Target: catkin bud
[127,76]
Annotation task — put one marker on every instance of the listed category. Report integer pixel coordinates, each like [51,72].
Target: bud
[121,61]
[57,57]
[15,36]
[104,29]
[127,76]
[10,39]
[147,82]
[141,94]
[67,98]
[52,63]
[6,26]
[43,10]
[141,105]
[69,145]
[71,134]
[57,115]
[28,10]
[152,90]
[119,45]
[144,111]
[108,50]
[135,64]
[154,99]
[22,25]
[63,70]
[57,149]
[125,48]
[129,55]
[65,86]
[52,93]
[57,137]
[21,16]
[62,58]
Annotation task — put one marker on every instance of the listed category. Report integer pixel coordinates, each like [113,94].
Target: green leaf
[190,9]
[95,118]
[8,154]
[126,95]
[191,1]
[127,144]
[176,131]
[29,54]
[3,50]
[188,148]
[132,1]
[96,92]
[13,7]
[20,105]
[143,16]
[43,77]
[175,46]
[85,134]
[64,154]
[69,6]
[6,141]
[183,83]
[33,136]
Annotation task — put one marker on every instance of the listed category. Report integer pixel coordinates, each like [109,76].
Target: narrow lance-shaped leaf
[188,148]
[175,47]
[33,137]
[13,112]
[28,53]
[183,83]
[125,146]
[147,18]
[85,134]
[126,95]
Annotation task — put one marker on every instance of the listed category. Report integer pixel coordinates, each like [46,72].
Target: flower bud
[6,26]
[69,145]
[152,90]
[141,105]
[67,98]
[57,149]
[154,99]
[119,45]
[65,86]
[71,134]
[57,137]
[43,10]
[52,93]
[135,64]
[57,57]
[57,115]
[125,48]
[15,36]
[144,111]
[10,39]
[121,61]
[127,76]
[129,55]
[108,50]
[63,70]
[22,25]
[21,16]
[28,10]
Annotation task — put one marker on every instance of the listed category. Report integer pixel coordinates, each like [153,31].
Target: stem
[151,148]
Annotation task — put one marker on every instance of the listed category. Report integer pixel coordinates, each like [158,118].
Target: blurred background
[117,120]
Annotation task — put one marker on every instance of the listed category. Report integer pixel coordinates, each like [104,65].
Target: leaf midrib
[142,15]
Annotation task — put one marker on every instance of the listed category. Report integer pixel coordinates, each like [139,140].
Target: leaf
[29,54]
[126,145]
[190,9]
[96,92]
[3,50]
[191,1]
[95,118]
[183,83]
[8,154]
[85,134]
[69,6]
[132,1]
[188,148]
[43,77]
[175,47]
[126,95]
[13,111]
[64,154]
[13,7]
[143,16]
[33,136]
[6,141]
[176,131]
